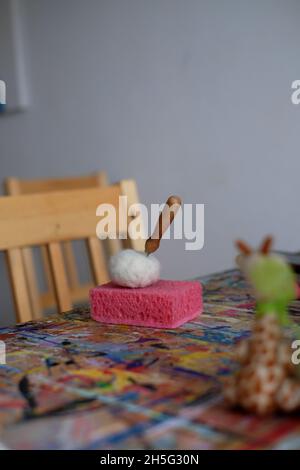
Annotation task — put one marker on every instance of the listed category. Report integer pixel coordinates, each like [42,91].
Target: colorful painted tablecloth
[72,383]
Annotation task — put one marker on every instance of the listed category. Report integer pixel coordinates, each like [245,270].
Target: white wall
[187,96]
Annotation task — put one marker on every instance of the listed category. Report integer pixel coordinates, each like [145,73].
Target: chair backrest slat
[61,288]
[50,217]
[97,260]
[32,282]
[16,186]
[19,285]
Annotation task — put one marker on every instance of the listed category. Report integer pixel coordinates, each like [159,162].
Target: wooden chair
[48,219]
[45,300]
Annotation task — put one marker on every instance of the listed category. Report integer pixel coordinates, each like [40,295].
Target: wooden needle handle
[165,219]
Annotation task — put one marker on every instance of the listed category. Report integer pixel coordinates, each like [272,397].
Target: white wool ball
[130,268]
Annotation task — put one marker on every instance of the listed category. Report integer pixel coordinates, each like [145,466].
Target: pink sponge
[165,304]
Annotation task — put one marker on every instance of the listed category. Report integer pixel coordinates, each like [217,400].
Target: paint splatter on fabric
[72,383]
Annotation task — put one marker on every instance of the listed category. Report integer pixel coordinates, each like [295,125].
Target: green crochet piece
[273,281]
[274,284]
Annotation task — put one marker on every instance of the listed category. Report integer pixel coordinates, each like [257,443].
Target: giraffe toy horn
[243,247]
[266,245]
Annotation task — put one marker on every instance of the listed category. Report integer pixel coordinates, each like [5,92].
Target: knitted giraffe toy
[266,380]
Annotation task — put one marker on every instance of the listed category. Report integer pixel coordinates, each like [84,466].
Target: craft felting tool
[136,296]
